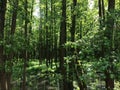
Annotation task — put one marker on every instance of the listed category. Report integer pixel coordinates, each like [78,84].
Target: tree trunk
[55,36]
[109,34]
[2,61]
[109,81]
[72,31]
[62,52]
[40,47]
[47,35]
[101,13]
[11,54]
[25,58]
[30,26]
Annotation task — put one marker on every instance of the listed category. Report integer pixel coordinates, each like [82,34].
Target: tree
[109,34]
[101,13]
[2,60]
[25,53]
[11,36]
[62,52]
[77,49]
[72,32]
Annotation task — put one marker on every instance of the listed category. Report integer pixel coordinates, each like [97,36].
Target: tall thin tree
[25,58]
[2,61]
[72,32]
[62,52]
[109,34]
[11,54]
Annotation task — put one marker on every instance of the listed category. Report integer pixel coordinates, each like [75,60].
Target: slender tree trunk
[62,52]
[10,57]
[51,34]
[55,36]
[72,31]
[47,34]
[2,60]
[101,13]
[25,51]
[31,16]
[109,34]
[40,36]
[30,27]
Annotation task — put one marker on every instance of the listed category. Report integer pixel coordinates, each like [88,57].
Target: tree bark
[11,54]
[108,33]
[2,61]
[62,52]
[72,31]
[47,53]
[40,47]
[25,58]
[101,13]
